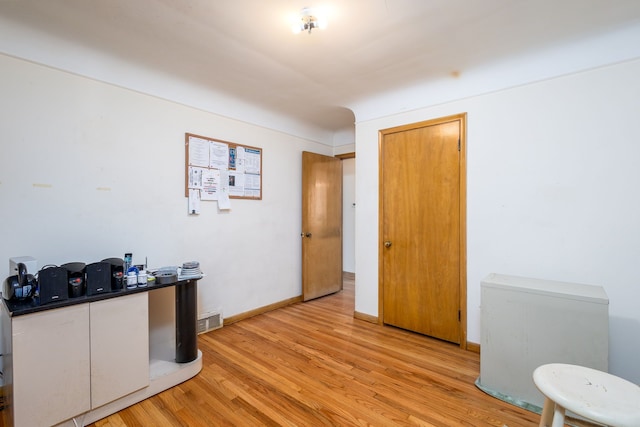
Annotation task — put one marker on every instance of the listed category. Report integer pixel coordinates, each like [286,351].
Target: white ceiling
[245,49]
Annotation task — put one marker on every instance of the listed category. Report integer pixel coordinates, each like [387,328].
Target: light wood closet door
[420,229]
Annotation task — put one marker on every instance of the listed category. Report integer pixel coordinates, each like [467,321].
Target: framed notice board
[213,166]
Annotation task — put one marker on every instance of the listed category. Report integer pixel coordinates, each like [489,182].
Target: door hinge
[459,316]
[458,144]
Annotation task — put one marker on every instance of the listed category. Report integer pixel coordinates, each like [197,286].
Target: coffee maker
[53,284]
[98,276]
[75,278]
[117,273]
[19,286]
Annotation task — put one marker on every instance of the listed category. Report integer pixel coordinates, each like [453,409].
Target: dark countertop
[32,305]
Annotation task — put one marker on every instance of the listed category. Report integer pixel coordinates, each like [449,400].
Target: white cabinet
[119,347]
[68,361]
[51,365]
[78,361]
[531,322]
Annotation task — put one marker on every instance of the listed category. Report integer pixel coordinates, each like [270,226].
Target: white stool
[594,395]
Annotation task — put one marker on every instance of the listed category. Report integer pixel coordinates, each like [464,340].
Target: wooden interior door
[321,225]
[421,225]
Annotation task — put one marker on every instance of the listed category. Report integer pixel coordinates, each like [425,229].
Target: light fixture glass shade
[321,23]
[309,20]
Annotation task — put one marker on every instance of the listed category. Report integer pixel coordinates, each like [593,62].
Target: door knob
[306,235]
[387,244]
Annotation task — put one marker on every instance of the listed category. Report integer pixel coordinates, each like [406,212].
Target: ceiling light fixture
[309,19]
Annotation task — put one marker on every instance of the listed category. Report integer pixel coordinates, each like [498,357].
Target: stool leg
[547,413]
[558,416]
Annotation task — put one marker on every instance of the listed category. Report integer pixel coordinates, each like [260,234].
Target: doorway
[422,253]
[348,213]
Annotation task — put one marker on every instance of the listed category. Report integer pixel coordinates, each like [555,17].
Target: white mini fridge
[531,322]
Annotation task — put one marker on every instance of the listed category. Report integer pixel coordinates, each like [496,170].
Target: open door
[321,225]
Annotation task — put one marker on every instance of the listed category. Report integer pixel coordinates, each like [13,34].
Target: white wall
[89,170]
[552,180]
[42,47]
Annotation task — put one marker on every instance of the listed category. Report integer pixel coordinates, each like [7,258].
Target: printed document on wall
[236,184]
[240,159]
[198,152]
[251,161]
[251,185]
[219,155]
[194,202]
[210,184]
[223,193]
[195,177]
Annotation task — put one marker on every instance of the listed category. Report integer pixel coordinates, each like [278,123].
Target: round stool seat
[593,394]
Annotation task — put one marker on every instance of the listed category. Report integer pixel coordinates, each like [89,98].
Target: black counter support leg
[186,322]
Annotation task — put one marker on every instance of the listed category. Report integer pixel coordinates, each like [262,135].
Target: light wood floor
[313,364]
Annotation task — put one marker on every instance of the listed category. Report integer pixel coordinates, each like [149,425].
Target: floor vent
[209,321]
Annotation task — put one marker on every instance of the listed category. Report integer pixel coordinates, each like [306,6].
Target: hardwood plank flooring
[313,364]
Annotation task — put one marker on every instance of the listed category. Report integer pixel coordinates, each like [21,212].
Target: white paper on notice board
[252,161]
[198,152]
[252,182]
[223,192]
[210,184]
[236,184]
[219,155]
[194,202]
[240,159]
[195,177]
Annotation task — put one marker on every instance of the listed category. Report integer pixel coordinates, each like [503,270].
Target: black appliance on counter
[98,276]
[117,273]
[53,284]
[75,278]
[20,286]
